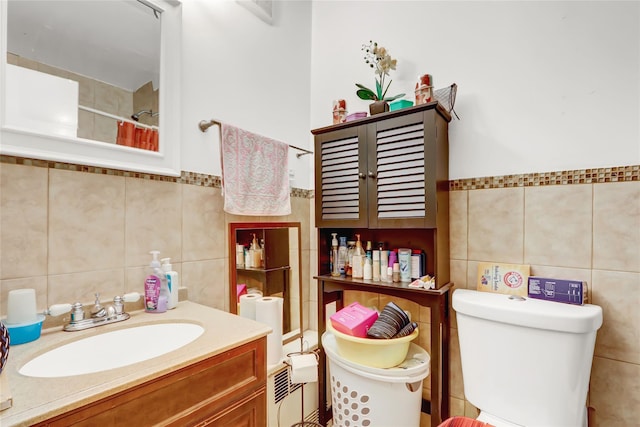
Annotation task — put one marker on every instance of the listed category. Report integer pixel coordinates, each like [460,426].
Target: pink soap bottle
[154,301]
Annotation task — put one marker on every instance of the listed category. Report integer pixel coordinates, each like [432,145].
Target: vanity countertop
[37,399]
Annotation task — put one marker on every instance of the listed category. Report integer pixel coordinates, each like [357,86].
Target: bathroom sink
[112,350]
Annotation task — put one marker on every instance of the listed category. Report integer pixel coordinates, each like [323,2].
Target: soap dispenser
[173,282]
[156,280]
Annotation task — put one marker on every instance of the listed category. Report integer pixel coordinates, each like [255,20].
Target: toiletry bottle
[358,259]
[154,302]
[351,248]
[173,282]
[404,259]
[369,252]
[395,272]
[384,262]
[417,264]
[368,269]
[342,256]
[335,270]
[257,253]
[376,265]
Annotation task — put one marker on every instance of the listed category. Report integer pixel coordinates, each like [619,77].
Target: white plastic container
[366,396]
[173,282]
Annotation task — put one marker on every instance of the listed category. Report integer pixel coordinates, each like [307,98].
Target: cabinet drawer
[183,397]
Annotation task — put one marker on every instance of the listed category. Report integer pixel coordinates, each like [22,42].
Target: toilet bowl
[526,362]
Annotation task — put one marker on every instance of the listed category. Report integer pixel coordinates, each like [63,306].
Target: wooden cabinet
[384,171]
[228,389]
[386,178]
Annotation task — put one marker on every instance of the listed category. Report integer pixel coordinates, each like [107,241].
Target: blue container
[25,332]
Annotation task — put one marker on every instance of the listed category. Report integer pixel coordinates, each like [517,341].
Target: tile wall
[575,225]
[70,232]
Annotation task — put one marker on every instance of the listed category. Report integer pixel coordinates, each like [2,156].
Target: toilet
[526,362]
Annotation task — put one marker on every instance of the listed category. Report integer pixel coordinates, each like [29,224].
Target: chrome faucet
[99,315]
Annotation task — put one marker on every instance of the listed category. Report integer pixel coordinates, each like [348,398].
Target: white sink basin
[112,350]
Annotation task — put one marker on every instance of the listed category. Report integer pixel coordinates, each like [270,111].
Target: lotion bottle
[154,302]
[358,260]
[173,282]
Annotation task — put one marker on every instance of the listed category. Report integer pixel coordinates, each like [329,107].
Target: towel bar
[206,124]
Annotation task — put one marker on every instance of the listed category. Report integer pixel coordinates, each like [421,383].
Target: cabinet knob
[372,174]
[361,175]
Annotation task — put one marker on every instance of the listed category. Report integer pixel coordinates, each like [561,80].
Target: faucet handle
[78,312]
[131,297]
[58,309]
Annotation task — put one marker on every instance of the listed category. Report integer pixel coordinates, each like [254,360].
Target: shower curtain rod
[206,124]
[118,118]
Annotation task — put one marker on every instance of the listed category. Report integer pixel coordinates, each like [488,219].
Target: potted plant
[378,58]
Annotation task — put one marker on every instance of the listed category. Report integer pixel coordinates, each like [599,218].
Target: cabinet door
[251,412]
[401,172]
[340,181]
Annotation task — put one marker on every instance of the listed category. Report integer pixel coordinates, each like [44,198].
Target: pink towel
[255,173]
[463,422]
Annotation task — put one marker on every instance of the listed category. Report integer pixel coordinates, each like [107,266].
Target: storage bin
[376,353]
[364,396]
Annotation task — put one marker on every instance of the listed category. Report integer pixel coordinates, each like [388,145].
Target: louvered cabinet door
[340,181]
[401,172]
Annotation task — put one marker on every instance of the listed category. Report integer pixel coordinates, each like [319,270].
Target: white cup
[21,306]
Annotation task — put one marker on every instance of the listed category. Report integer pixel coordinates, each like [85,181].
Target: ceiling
[114,41]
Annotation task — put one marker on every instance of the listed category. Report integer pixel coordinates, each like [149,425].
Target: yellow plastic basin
[377,353]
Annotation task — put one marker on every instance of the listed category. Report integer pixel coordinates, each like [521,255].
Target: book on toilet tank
[509,279]
[558,290]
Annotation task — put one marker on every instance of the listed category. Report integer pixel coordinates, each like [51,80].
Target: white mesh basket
[362,396]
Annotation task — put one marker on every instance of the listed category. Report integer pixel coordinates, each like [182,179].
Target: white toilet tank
[526,362]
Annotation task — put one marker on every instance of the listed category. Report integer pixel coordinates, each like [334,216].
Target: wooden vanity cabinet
[228,390]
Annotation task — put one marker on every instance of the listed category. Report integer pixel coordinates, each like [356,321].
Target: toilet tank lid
[531,313]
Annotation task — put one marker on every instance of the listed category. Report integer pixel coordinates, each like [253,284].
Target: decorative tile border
[191,178]
[579,176]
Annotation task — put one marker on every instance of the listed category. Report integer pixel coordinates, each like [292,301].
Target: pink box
[241,289]
[354,320]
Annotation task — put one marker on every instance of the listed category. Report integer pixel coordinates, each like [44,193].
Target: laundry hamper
[363,396]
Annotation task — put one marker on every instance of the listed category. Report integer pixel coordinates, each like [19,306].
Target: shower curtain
[137,137]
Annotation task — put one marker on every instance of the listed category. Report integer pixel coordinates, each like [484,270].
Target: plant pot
[378,107]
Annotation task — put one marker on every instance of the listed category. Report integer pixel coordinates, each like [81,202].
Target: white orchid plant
[378,58]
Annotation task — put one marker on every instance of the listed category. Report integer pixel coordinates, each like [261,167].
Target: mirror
[275,269]
[59,103]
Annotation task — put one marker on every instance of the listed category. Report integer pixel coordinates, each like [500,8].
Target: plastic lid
[334,241]
[154,261]
[166,264]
